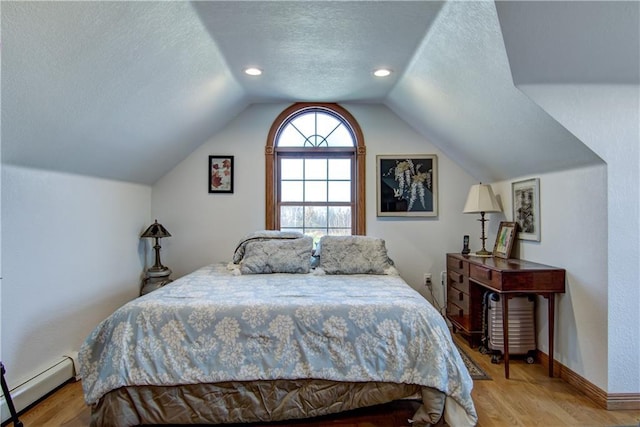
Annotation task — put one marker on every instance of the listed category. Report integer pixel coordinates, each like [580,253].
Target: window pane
[291,216]
[290,137]
[341,137]
[326,124]
[340,216]
[339,232]
[315,169]
[315,191]
[291,168]
[339,168]
[306,124]
[339,191]
[312,128]
[315,216]
[291,191]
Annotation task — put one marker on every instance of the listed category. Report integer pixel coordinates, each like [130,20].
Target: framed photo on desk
[504,240]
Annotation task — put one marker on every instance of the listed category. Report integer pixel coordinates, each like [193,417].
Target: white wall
[606,118]
[206,227]
[573,236]
[71,256]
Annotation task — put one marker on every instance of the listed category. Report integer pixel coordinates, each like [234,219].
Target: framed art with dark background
[407,185]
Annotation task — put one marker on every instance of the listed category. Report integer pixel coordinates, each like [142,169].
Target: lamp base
[483,254]
[158,271]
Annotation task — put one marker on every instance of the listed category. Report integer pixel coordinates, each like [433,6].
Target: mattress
[214,327]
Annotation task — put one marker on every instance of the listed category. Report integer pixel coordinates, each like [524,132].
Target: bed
[276,335]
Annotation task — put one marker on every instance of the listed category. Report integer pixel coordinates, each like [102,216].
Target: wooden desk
[467,275]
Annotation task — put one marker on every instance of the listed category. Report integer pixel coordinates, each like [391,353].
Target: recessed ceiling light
[252,71]
[382,72]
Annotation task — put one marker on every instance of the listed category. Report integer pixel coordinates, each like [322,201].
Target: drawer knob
[460,296]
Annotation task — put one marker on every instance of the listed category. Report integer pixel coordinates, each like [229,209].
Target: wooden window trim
[271,216]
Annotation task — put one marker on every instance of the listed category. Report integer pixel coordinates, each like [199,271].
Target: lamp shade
[156,230]
[481,199]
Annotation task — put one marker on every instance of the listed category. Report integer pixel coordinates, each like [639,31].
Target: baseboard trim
[37,387]
[623,401]
[609,401]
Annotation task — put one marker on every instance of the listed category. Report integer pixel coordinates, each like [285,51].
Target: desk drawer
[486,276]
[459,281]
[457,265]
[459,299]
[455,311]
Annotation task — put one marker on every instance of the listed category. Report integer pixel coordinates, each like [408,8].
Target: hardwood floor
[528,398]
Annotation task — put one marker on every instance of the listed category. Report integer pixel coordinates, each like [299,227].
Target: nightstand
[155,280]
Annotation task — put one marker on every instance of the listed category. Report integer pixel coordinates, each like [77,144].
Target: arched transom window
[315,171]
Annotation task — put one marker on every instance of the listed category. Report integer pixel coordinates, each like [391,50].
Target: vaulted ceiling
[126,90]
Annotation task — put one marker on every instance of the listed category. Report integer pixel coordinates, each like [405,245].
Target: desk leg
[505,333]
[551,307]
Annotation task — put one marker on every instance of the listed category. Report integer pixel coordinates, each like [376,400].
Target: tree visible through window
[315,171]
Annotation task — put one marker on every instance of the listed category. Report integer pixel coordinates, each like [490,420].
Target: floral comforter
[212,326]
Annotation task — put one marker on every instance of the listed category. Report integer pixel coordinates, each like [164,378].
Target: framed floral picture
[220,175]
[526,208]
[407,185]
[504,239]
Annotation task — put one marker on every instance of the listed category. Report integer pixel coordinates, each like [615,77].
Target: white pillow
[277,256]
[353,255]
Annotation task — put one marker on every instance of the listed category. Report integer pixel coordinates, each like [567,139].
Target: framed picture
[220,176]
[504,239]
[407,185]
[526,208]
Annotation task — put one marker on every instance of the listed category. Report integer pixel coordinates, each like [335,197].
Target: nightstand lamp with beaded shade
[482,200]
[158,275]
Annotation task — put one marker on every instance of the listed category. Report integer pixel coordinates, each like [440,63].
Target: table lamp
[481,200]
[156,231]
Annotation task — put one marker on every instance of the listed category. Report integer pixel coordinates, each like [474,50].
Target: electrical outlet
[427,280]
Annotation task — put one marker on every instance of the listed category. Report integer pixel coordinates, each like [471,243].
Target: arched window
[315,171]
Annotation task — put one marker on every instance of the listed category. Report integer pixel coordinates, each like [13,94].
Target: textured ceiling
[126,90]
[590,42]
[122,90]
[335,45]
[464,98]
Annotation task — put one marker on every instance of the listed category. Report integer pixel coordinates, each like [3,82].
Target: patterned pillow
[277,256]
[353,255]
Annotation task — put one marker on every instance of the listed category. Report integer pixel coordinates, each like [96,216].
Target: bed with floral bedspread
[217,346]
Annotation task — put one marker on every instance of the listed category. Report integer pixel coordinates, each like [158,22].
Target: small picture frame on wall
[504,239]
[407,185]
[220,174]
[526,208]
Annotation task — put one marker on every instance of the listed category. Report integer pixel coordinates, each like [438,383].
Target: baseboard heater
[38,386]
